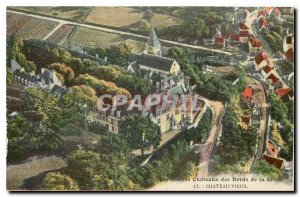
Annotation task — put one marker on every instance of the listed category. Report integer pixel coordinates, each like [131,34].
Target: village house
[243,27]
[244,36]
[277,14]
[262,14]
[261,60]
[289,55]
[234,39]
[288,43]
[247,96]
[220,42]
[266,71]
[263,24]
[255,45]
[285,93]
[277,162]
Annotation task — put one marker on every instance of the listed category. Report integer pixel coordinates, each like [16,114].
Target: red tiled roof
[260,57]
[289,54]
[255,42]
[220,41]
[276,11]
[243,26]
[264,23]
[283,91]
[268,9]
[273,78]
[244,34]
[262,13]
[277,162]
[248,93]
[267,69]
[234,37]
[272,150]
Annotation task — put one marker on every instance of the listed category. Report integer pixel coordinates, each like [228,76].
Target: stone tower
[153,44]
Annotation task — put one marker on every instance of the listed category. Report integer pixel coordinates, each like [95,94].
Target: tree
[187,171]
[144,26]
[9,78]
[119,54]
[57,181]
[64,70]
[278,109]
[122,78]
[83,166]
[41,105]
[27,138]
[194,27]
[265,169]
[114,145]
[276,134]
[100,86]
[140,132]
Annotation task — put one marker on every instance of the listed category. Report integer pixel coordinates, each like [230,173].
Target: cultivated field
[73,13]
[90,37]
[128,18]
[61,34]
[28,27]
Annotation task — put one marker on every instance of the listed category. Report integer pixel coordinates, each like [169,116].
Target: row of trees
[101,86]
[124,79]
[283,113]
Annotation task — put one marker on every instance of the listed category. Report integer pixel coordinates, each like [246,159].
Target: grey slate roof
[153,39]
[156,62]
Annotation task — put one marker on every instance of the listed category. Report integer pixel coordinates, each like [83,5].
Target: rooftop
[284,91]
[267,69]
[277,162]
[156,62]
[243,26]
[255,42]
[248,93]
[261,57]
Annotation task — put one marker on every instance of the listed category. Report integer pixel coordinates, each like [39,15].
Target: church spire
[153,44]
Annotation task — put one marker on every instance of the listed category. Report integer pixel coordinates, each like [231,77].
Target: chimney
[97,55]
[105,58]
[118,114]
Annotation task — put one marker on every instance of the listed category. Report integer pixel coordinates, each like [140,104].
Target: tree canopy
[140,132]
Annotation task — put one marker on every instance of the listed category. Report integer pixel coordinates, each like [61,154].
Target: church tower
[153,44]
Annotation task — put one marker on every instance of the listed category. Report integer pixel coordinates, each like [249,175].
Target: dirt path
[16,174]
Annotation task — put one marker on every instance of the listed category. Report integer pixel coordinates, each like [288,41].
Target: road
[61,22]
[16,174]
[207,148]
